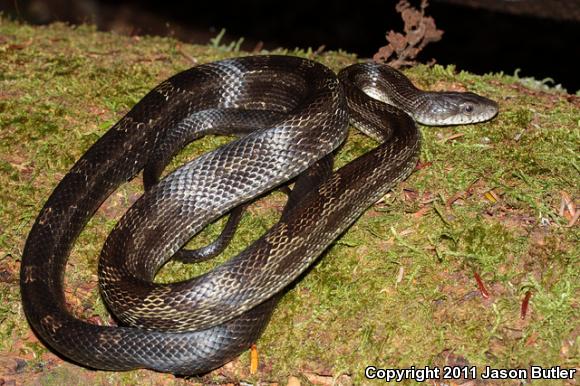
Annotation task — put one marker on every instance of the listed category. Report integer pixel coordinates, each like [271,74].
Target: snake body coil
[289,113]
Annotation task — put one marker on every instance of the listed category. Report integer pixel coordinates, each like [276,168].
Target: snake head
[455,108]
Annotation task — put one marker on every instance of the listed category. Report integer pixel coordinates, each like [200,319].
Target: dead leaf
[293,381]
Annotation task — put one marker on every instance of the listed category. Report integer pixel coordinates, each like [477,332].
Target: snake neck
[426,107]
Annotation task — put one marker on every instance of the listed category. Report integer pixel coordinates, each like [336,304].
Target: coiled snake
[289,113]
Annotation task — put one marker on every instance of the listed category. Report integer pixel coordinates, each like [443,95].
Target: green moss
[396,290]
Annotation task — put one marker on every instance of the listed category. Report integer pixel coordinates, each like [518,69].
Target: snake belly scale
[290,113]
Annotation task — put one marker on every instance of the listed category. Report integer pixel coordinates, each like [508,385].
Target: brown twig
[419,29]
[525,304]
[481,286]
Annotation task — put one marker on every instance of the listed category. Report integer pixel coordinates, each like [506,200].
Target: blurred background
[539,37]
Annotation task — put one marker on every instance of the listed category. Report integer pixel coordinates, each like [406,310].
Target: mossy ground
[396,290]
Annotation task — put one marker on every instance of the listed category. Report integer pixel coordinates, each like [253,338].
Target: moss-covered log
[494,200]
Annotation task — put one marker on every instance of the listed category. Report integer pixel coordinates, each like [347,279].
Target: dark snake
[290,114]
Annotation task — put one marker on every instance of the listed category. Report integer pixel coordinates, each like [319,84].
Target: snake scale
[289,114]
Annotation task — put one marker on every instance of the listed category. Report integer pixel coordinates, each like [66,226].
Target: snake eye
[468,108]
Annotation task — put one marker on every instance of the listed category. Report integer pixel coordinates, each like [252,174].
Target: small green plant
[234,46]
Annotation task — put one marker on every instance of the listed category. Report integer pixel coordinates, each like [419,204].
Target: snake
[288,114]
